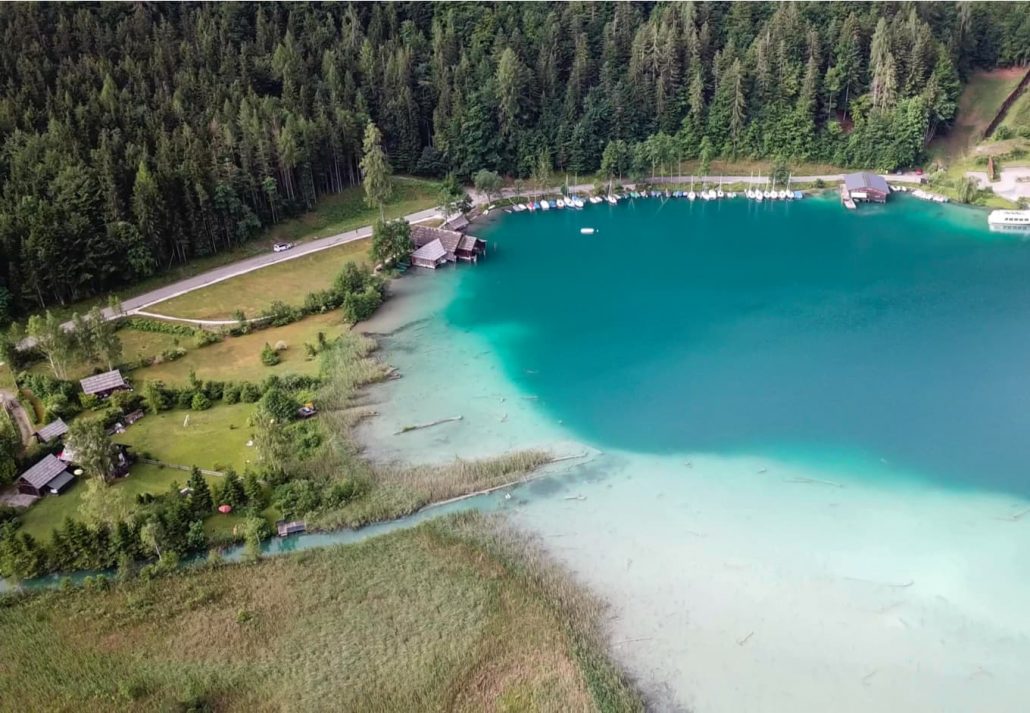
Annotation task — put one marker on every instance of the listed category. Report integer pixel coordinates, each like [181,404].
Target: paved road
[219,274]
[242,267]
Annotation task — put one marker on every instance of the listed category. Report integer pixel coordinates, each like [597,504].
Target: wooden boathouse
[436,246]
[864,186]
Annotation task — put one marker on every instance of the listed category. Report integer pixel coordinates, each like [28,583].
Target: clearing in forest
[981,99]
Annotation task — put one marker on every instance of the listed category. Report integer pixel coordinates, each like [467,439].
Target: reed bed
[447,616]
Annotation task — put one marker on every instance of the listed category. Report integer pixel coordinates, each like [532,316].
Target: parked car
[281,247]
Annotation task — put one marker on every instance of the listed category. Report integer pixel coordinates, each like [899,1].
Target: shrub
[184,399]
[269,357]
[142,324]
[231,393]
[322,301]
[358,306]
[352,278]
[206,336]
[200,402]
[278,404]
[280,314]
[250,393]
[126,401]
[215,390]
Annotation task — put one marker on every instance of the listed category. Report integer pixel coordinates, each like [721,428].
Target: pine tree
[200,494]
[375,170]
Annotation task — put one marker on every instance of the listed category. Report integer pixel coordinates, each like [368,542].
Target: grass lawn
[333,214]
[135,344]
[1019,113]
[239,358]
[977,106]
[252,292]
[430,619]
[223,528]
[51,511]
[211,439]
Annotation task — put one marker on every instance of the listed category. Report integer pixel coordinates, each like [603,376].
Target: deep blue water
[899,333]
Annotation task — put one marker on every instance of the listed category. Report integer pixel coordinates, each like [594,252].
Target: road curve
[133,305]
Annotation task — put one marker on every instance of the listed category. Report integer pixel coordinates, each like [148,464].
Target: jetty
[845,197]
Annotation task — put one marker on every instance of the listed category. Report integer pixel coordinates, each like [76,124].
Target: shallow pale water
[805,438]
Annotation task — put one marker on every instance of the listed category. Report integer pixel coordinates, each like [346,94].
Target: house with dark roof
[52,431]
[456,246]
[104,384]
[865,186]
[49,476]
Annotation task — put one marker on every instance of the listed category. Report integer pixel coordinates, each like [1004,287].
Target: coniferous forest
[138,136]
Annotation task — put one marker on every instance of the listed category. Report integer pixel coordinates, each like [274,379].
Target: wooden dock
[845,198]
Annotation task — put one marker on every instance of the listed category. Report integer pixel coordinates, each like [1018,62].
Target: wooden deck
[845,198]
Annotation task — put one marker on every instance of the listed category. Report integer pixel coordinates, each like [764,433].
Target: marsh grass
[445,616]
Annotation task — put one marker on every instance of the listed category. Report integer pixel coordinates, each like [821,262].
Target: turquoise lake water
[898,332]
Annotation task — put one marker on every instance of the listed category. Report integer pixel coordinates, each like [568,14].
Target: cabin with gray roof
[52,431]
[458,223]
[49,476]
[104,384]
[430,255]
[865,186]
[456,246]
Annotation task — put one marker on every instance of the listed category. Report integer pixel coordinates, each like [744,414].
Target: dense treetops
[139,136]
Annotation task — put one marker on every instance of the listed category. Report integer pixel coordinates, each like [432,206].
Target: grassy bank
[254,291]
[239,358]
[333,214]
[442,617]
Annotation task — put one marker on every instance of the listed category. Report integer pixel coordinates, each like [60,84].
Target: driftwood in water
[584,454]
[420,426]
[1016,517]
[813,481]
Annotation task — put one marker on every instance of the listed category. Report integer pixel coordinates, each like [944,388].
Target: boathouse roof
[430,251]
[458,222]
[423,235]
[864,181]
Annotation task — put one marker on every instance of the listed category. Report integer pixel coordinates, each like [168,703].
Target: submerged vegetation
[449,616]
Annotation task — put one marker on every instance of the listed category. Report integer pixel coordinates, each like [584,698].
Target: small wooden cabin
[49,476]
[52,431]
[294,527]
[105,384]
